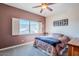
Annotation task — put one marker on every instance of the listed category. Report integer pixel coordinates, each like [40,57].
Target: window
[24,27]
[29,27]
[34,27]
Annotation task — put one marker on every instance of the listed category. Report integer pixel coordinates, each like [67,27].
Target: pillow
[64,39]
[57,35]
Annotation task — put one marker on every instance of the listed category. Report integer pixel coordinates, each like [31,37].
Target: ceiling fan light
[44,6]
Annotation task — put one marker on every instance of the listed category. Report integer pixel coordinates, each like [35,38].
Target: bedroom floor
[26,50]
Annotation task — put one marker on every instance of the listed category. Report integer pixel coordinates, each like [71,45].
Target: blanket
[49,40]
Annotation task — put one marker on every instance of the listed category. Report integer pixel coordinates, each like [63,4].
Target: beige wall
[70,11]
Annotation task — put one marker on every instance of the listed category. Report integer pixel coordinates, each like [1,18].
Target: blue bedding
[49,40]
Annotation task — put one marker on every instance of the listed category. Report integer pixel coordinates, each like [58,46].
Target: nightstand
[73,47]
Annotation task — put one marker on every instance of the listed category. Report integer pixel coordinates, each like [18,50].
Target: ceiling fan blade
[41,11]
[51,3]
[36,6]
[49,9]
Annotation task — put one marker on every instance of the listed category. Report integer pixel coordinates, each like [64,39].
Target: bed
[51,44]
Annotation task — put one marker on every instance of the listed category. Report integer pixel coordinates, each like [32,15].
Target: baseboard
[2,49]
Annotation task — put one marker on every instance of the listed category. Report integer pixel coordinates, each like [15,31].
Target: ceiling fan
[44,6]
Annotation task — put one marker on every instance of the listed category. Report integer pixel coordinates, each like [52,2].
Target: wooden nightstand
[73,47]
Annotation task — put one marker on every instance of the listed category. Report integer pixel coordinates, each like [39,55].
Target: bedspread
[52,45]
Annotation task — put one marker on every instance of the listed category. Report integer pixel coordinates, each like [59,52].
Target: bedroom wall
[6,15]
[63,11]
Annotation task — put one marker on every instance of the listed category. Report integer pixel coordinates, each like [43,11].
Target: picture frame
[63,22]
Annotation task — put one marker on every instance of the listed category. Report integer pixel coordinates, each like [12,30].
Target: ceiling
[28,7]
[57,8]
